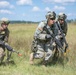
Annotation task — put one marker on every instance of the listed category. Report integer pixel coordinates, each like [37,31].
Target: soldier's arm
[65,28]
[39,30]
[6,35]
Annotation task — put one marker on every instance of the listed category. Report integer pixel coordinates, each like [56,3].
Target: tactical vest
[2,35]
[45,30]
[53,29]
[62,28]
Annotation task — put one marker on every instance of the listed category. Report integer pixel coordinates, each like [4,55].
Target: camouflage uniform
[4,35]
[62,25]
[5,32]
[44,46]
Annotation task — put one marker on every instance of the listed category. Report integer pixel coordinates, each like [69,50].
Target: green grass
[20,39]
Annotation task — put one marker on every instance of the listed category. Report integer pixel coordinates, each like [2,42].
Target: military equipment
[50,15]
[63,36]
[62,16]
[9,48]
[5,23]
[11,54]
[34,45]
[19,54]
[56,40]
[2,36]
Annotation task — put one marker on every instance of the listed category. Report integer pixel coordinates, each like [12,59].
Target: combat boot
[44,63]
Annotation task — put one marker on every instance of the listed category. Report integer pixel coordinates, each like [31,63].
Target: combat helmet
[5,22]
[62,16]
[51,15]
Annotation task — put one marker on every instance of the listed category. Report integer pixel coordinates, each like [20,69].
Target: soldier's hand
[48,36]
[58,37]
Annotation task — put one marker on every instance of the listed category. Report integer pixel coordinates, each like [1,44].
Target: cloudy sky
[35,10]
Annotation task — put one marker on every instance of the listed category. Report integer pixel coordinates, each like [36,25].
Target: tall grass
[21,36]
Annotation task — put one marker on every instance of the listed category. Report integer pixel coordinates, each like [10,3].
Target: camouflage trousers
[62,41]
[2,54]
[44,50]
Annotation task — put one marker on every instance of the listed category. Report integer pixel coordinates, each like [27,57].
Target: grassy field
[21,36]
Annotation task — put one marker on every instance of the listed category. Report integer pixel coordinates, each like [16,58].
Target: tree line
[28,22]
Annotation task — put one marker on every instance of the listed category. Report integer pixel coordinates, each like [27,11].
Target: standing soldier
[43,38]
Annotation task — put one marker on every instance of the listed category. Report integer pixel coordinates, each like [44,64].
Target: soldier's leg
[38,54]
[56,53]
[65,44]
[40,51]
[62,41]
[31,58]
[49,53]
[7,53]
[2,54]
[8,56]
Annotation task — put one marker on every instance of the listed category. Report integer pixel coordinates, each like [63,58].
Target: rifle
[56,40]
[63,36]
[17,53]
[11,54]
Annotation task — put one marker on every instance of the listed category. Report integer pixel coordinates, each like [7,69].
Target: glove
[63,35]
[57,37]
[48,36]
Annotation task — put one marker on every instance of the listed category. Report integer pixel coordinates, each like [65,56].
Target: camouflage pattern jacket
[63,27]
[42,30]
[4,35]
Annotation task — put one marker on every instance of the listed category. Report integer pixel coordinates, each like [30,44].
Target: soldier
[43,38]
[62,25]
[4,34]
[62,22]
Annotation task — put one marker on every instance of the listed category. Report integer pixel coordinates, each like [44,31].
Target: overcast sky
[35,10]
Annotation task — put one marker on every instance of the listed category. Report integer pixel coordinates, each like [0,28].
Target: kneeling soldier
[43,38]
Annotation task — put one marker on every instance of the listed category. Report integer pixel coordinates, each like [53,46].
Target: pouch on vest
[2,37]
[34,46]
